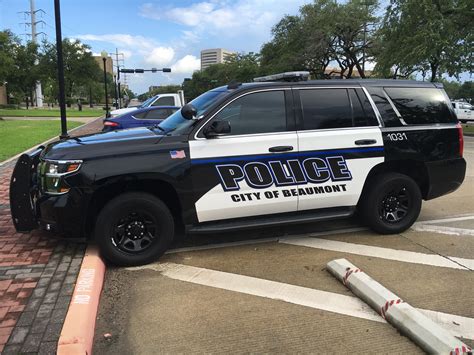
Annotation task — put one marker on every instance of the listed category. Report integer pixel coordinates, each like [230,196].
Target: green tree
[8,42]
[80,69]
[428,36]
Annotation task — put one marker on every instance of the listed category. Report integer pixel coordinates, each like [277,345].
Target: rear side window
[164,101]
[362,112]
[159,114]
[386,110]
[326,108]
[336,108]
[421,105]
[141,115]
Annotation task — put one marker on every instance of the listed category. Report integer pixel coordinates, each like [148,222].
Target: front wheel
[134,229]
[391,204]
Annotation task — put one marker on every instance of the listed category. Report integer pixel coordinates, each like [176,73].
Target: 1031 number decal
[397,136]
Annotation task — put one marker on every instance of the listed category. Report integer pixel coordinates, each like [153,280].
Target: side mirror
[189,112]
[217,128]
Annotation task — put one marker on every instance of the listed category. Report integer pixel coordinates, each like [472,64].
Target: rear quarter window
[421,105]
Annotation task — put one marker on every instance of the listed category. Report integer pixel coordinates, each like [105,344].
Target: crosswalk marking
[303,296]
[443,229]
[383,253]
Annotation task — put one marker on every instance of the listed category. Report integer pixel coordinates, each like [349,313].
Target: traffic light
[166,70]
[127,71]
[139,71]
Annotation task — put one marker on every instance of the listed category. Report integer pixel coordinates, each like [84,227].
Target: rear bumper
[445,176]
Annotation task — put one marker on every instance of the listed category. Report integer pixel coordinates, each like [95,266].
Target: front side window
[326,108]
[421,105]
[260,112]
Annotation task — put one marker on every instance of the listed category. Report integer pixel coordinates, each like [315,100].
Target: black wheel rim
[135,232]
[395,205]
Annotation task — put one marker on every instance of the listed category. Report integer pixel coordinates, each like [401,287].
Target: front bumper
[30,209]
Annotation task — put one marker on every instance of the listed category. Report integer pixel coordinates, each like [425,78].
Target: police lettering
[261,175]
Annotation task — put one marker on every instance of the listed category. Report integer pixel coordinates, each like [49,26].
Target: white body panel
[217,204]
[359,168]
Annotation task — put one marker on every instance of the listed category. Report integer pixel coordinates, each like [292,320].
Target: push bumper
[24,192]
[445,176]
[31,209]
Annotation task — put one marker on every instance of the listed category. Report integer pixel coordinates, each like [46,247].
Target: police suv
[246,156]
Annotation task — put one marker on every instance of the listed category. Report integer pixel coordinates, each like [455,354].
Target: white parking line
[263,240]
[383,253]
[447,220]
[303,296]
[443,229]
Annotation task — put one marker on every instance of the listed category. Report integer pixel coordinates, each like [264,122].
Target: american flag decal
[177,154]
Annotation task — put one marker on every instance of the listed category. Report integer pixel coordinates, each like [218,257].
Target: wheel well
[159,188]
[416,170]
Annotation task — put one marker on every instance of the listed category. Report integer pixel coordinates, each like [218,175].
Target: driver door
[235,174]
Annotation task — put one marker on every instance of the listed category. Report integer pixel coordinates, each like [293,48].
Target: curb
[43,143]
[423,331]
[77,334]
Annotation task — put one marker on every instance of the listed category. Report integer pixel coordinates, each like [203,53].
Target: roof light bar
[287,76]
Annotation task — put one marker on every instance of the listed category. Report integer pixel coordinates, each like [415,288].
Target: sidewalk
[37,278]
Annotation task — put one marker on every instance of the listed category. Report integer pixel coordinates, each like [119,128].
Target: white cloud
[186,65]
[125,40]
[226,18]
[160,56]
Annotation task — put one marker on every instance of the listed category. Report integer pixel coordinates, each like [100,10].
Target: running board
[272,220]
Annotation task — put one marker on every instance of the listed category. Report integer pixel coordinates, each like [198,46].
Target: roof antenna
[234,84]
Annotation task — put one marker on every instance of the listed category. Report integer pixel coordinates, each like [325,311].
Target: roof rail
[287,76]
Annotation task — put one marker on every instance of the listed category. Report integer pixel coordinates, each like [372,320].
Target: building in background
[153,88]
[214,56]
[109,64]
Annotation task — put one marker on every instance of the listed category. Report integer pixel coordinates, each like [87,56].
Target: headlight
[52,172]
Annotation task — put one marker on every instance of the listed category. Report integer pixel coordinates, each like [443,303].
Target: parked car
[464,111]
[248,156]
[157,100]
[143,117]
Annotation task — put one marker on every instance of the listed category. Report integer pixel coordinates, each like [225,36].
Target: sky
[156,33]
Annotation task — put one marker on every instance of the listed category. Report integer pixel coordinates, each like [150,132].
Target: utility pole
[34,35]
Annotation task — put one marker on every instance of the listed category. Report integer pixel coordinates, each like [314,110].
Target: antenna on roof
[287,76]
[234,84]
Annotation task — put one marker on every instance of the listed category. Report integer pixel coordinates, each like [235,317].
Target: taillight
[111,124]
[461,139]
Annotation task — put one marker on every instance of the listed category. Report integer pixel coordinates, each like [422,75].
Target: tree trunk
[434,71]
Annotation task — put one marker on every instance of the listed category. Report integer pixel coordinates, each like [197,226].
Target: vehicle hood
[121,111]
[94,146]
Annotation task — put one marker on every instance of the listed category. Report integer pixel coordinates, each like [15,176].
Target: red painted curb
[77,334]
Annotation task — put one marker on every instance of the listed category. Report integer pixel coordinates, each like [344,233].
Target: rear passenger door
[339,142]
[235,175]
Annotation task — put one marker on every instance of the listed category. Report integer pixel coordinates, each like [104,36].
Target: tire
[134,228]
[391,203]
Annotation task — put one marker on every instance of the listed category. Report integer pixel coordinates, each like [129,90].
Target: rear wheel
[391,203]
[134,229]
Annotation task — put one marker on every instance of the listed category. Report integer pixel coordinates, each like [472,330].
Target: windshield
[147,102]
[177,124]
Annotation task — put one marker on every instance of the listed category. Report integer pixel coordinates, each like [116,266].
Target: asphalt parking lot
[268,291]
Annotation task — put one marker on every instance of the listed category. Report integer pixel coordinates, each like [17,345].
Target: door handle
[280,148]
[365,141]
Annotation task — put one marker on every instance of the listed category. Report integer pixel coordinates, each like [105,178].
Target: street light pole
[59,50]
[104,59]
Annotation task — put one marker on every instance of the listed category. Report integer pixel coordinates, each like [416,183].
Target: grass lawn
[468,128]
[54,112]
[17,136]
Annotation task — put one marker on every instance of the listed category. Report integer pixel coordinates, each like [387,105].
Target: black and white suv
[246,156]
